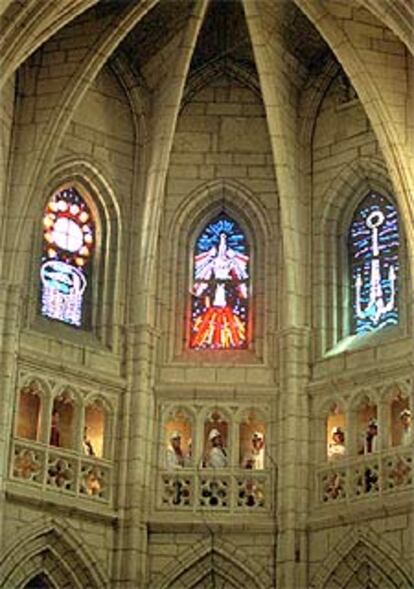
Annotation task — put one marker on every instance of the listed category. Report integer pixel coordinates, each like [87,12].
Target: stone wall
[73,115]
[6,121]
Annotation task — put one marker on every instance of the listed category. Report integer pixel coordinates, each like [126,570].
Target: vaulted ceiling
[27,24]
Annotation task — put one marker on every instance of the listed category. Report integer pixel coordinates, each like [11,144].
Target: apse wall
[221,162]
[98,150]
[349,372]
[103,131]
[347,163]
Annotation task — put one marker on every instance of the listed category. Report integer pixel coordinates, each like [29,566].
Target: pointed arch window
[220,287]
[373,246]
[69,237]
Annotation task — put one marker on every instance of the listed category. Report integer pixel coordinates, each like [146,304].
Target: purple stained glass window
[220,287]
[373,242]
[68,242]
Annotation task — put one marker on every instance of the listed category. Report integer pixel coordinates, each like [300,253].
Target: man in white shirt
[217,455]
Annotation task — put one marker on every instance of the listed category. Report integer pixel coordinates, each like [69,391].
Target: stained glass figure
[219,314]
[68,241]
[374,264]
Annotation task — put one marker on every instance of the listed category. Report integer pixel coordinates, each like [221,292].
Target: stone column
[293,458]
[10,308]
[136,440]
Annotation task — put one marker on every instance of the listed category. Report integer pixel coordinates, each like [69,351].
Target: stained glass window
[68,241]
[220,287]
[374,264]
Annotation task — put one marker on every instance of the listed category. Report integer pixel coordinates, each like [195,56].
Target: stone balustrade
[57,469]
[372,475]
[227,489]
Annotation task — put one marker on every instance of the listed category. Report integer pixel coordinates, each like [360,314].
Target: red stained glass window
[220,287]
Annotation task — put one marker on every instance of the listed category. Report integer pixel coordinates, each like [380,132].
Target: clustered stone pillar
[137,434]
[293,460]
[10,309]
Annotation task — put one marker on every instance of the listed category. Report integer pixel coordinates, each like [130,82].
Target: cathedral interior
[206,300]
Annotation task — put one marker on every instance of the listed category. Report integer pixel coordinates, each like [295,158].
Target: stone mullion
[293,459]
[10,308]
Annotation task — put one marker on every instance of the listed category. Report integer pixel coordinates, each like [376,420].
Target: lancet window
[220,287]
[373,243]
[67,251]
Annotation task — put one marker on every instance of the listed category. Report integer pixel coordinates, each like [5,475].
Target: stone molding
[54,548]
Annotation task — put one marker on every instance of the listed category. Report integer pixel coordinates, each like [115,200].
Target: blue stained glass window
[68,242]
[220,287]
[373,242]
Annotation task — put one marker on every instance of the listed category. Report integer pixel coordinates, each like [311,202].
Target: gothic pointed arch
[39,581]
[215,201]
[362,560]
[209,562]
[89,207]
[335,302]
[54,551]
[223,68]
[373,264]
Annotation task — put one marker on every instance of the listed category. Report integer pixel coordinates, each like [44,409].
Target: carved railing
[373,475]
[228,490]
[56,469]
